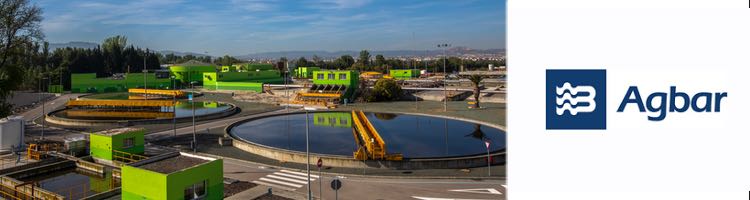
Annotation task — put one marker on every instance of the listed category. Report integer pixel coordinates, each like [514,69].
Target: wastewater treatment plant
[247,131]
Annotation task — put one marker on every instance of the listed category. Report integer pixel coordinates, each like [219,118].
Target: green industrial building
[254,67]
[305,72]
[174,176]
[191,71]
[103,144]
[247,80]
[403,74]
[89,83]
[327,80]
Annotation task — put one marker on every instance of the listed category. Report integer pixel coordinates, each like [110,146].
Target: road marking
[273,185]
[479,191]
[280,182]
[300,173]
[293,176]
[288,179]
[434,198]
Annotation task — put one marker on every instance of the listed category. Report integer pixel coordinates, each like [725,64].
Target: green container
[404,74]
[140,183]
[128,140]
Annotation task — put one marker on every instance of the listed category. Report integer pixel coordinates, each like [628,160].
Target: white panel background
[694,45]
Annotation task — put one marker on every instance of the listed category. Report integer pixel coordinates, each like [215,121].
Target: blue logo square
[576,99]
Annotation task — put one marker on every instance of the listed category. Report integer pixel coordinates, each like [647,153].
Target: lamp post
[43,101]
[192,105]
[174,107]
[445,78]
[144,76]
[307,146]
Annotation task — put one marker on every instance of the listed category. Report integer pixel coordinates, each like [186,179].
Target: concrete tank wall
[11,133]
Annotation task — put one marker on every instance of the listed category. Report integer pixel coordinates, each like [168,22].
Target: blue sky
[238,27]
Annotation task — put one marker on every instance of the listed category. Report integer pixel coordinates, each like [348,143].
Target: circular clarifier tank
[182,108]
[413,136]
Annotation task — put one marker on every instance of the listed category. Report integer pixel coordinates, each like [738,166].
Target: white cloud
[338,4]
[255,5]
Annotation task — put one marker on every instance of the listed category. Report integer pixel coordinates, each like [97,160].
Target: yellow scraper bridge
[120,103]
[121,114]
[371,145]
[323,95]
[170,93]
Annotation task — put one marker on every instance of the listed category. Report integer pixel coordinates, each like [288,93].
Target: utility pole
[43,101]
[445,74]
[192,105]
[144,75]
[174,108]
[307,145]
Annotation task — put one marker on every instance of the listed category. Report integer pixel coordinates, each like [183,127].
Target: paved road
[50,105]
[358,187]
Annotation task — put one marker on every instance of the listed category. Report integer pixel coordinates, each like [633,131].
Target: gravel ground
[237,187]
[272,197]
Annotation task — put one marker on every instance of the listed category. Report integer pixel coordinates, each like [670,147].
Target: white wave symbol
[566,101]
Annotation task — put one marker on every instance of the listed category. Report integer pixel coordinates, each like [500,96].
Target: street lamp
[174,107]
[43,101]
[445,78]
[307,146]
[192,105]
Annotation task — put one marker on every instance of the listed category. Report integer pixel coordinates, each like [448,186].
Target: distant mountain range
[309,54]
[386,53]
[83,45]
[178,53]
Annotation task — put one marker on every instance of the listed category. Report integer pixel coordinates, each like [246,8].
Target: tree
[19,25]
[347,60]
[302,62]
[384,90]
[364,57]
[226,60]
[379,60]
[113,52]
[476,80]
[318,62]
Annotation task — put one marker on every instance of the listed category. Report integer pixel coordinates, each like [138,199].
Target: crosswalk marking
[300,173]
[285,179]
[280,182]
[291,176]
[288,179]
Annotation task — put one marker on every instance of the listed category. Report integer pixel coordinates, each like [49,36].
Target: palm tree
[476,80]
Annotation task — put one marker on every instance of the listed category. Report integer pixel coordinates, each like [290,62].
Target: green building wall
[187,74]
[305,72]
[255,67]
[403,73]
[144,184]
[89,83]
[101,146]
[334,77]
[324,77]
[269,76]
[252,81]
[212,171]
